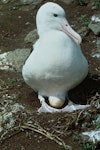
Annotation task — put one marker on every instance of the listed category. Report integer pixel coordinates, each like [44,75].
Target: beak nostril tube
[66,28]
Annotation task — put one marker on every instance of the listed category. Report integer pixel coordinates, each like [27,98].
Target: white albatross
[56,64]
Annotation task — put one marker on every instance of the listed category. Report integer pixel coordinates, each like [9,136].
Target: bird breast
[56,56]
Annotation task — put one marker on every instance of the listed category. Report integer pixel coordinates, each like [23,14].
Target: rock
[32,36]
[91,136]
[95,27]
[95,24]
[9,113]
[14,60]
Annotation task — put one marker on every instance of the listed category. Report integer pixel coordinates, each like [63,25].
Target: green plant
[85,145]
[84,20]
[97,3]
[76,138]
[17,5]
[86,125]
[96,123]
[81,2]
[29,134]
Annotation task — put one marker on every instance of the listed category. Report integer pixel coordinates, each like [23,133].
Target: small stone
[96,54]
[19,17]
[94,7]
[95,18]
[27,23]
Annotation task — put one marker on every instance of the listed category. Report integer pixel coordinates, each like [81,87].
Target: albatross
[57,64]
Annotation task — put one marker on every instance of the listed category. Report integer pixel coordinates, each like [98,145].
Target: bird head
[50,17]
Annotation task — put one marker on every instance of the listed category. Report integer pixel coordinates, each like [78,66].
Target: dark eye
[55,15]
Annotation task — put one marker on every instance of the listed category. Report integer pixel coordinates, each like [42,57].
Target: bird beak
[66,28]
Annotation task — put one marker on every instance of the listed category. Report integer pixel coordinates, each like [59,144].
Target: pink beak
[66,28]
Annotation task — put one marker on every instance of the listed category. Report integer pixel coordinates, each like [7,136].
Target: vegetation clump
[84,20]
[96,3]
[81,2]
[85,2]
[85,145]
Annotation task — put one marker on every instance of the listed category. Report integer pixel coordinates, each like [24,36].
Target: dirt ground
[15,23]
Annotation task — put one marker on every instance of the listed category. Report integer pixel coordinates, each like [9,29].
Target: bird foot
[69,108]
[72,106]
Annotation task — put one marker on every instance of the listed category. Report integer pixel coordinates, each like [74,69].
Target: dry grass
[62,127]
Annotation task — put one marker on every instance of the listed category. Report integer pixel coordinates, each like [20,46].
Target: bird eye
[55,15]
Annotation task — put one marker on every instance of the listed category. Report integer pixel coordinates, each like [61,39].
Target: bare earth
[33,131]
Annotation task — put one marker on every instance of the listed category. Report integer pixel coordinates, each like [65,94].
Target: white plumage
[56,64]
